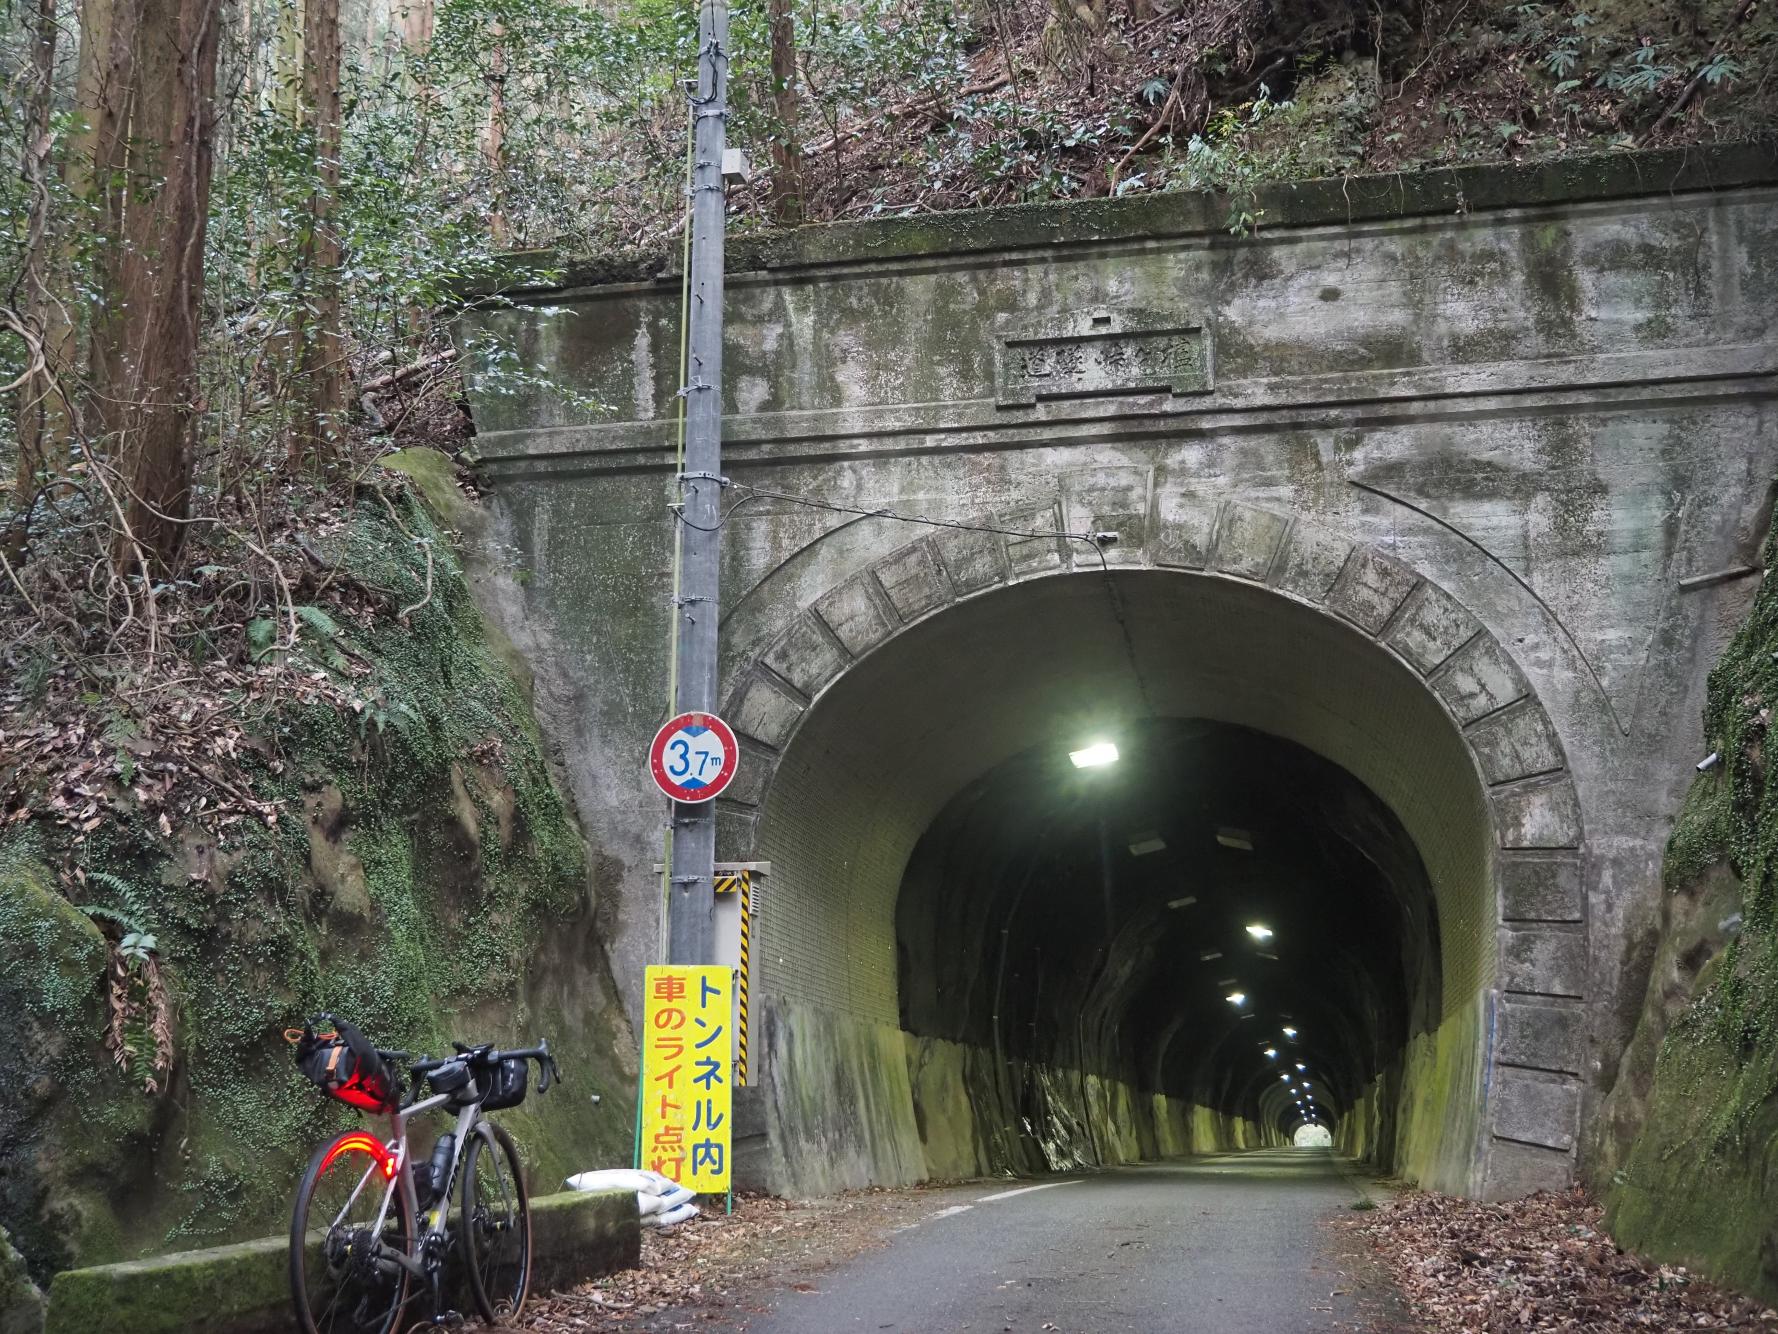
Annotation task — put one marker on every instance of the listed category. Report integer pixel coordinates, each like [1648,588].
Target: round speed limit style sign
[693,757]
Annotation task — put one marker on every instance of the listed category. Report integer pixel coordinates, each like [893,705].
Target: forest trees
[139,166]
[225,218]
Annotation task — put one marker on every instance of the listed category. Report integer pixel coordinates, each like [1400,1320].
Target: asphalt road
[1222,1245]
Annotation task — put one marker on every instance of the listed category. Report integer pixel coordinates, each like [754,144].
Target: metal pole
[691,929]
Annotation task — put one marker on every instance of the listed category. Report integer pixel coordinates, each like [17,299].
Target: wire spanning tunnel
[990,958]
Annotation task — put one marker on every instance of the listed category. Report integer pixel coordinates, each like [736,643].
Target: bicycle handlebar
[548,1073]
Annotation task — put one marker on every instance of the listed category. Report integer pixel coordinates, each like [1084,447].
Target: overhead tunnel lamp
[1301,1066]
[1259,932]
[1271,1053]
[1095,756]
[1237,998]
[1290,1032]
[1184,902]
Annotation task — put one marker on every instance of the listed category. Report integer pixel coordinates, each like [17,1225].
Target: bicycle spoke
[342,1284]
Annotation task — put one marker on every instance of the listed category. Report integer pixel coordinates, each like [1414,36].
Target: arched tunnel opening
[1220,918]
[977,956]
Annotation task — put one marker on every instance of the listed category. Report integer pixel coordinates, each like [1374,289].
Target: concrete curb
[244,1289]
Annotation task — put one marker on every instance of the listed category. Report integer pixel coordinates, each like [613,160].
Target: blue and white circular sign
[694,756]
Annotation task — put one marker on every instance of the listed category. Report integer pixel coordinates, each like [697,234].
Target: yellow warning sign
[687,1046]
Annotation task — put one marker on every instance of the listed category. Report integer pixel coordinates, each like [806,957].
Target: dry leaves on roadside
[1541,1263]
[691,1273]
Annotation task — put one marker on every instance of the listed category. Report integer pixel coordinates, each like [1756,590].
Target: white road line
[954,1209]
[1025,1190]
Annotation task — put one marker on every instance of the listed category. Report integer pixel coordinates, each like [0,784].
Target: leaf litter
[1541,1263]
[769,1250]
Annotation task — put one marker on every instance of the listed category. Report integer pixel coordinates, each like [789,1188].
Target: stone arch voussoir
[1539,995]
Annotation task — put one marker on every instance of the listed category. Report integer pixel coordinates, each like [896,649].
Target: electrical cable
[1097,541]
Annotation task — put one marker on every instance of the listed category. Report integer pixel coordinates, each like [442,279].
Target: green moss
[1700,835]
[215,1289]
[441,893]
[21,1304]
[1695,1184]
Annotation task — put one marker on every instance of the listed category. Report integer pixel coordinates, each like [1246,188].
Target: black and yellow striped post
[740,882]
[741,977]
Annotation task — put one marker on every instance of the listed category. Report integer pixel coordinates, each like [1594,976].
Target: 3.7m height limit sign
[687,1056]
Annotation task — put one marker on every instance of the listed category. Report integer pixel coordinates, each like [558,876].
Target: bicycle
[358,1251]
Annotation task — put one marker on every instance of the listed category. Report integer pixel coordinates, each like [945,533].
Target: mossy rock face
[1693,1115]
[63,1089]
[21,1304]
[425,880]
[1701,1189]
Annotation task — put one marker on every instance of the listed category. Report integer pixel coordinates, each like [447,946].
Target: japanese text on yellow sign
[687,1048]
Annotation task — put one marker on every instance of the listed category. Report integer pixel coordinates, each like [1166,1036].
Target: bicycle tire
[359,1306]
[499,1271]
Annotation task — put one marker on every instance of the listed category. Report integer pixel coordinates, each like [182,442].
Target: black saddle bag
[344,1063]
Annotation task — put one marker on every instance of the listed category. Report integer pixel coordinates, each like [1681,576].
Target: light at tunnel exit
[1097,755]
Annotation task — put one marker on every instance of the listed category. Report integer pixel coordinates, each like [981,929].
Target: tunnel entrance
[1221,922]
[975,956]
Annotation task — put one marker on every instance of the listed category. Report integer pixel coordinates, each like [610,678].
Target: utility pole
[691,921]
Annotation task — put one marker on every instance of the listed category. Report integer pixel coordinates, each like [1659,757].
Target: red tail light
[360,1142]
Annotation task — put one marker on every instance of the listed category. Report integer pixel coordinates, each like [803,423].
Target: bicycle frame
[414,1259]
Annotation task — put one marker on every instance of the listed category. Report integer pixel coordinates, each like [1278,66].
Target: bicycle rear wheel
[496,1224]
[340,1282]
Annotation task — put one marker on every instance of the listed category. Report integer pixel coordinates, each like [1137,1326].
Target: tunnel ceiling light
[1096,756]
[1237,998]
[1285,1078]
[1267,954]
[1239,839]
[1271,1053]
[1289,1032]
[1146,842]
[1259,932]
[1301,1066]
[1209,955]
[1185,901]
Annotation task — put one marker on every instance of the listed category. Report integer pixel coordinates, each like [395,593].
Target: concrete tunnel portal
[1050,950]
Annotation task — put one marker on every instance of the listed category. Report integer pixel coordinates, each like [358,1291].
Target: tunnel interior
[978,957]
[1218,916]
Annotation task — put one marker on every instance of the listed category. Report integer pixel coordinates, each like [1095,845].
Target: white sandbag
[647,1204]
[616,1178]
[672,1216]
[669,1191]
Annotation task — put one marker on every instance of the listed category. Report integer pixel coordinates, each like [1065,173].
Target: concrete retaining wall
[245,1288]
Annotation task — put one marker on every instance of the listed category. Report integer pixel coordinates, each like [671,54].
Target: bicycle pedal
[444,1320]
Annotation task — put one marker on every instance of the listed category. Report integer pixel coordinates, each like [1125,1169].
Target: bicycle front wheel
[341,1279]
[496,1224]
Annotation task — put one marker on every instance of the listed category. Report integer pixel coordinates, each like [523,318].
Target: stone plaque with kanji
[1100,352]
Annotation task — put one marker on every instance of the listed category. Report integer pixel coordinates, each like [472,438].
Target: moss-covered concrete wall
[425,879]
[1687,1143]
